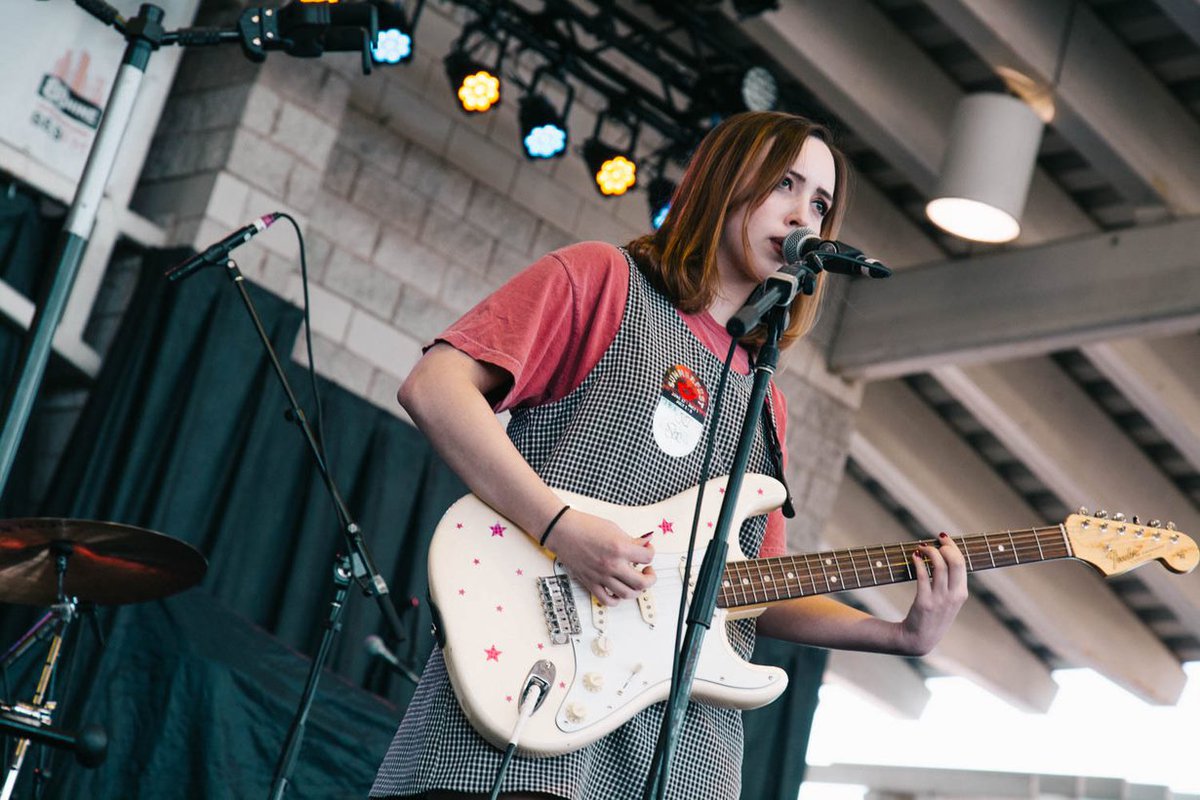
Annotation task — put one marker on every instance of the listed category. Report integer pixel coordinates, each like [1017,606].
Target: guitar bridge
[558,606]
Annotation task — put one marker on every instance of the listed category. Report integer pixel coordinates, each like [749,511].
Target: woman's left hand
[939,596]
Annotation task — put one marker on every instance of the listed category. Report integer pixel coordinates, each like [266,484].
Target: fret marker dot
[791,576]
[833,578]
[745,581]
[1000,547]
[725,583]
[879,563]
[828,561]
[766,578]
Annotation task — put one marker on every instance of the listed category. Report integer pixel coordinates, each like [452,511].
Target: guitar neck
[761,581]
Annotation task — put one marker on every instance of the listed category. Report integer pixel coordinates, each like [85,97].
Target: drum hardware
[58,563]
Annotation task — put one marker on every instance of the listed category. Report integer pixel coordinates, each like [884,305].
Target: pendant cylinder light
[989,162]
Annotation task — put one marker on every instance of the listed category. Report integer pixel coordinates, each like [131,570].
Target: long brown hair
[738,163]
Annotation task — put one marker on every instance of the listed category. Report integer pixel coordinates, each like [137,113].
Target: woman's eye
[786,183]
[821,206]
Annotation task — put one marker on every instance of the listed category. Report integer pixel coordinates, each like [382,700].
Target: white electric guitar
[503,604]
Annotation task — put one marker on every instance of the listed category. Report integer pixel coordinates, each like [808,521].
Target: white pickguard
[483,578]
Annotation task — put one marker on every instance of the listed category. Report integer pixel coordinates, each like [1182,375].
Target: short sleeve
[548,326]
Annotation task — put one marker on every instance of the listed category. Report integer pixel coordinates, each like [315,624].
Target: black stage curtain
[184,434]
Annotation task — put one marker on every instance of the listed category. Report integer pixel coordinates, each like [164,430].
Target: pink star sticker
[562,684]
[520,572]
[493,654]
[760,491]
[508,698]
[721,490]
[498,530]
[500,608]
[459,526]
[667,527]
[461,592]
[475,561]
[541,646]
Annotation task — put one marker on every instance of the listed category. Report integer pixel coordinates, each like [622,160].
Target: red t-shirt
[549,326]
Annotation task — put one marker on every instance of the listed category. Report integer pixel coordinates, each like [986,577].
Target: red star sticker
[667,527]
[459,526]
[462,592]
[562,684]
[710,524]
[721,490]
[498,530]
[760,491]
[508,698]
[541,646]
[520,572]
[475,561]
[493,654]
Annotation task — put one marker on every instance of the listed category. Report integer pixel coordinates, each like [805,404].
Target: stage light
[395,41]
[543,128]
[475,83]
[393,47]
[660,192]
[613,169]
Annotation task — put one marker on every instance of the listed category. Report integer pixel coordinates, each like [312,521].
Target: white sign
[59,67]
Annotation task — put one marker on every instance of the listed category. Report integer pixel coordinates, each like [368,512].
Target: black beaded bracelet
[550,527]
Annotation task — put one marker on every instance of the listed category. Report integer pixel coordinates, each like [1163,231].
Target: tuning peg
[1102,514]
[1154,523]
[1083,511]
[1134,520]
[1118,517]
[1170,525]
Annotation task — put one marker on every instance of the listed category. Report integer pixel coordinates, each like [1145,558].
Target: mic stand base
[295,737]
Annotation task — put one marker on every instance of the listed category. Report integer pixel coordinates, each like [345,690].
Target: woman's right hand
[602,557]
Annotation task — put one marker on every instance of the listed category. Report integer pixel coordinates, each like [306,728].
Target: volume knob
[593,681]
[576,712]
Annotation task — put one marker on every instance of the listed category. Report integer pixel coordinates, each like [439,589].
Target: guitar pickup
[645,603]
[558,607]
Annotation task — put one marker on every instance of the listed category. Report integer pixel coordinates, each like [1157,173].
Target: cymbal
[109,563]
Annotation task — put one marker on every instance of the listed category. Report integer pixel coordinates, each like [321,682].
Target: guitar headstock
[1115,545]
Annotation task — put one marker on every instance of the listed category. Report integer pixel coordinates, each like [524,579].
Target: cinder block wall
[412,211]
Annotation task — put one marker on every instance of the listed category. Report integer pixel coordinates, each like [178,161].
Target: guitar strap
[776,450]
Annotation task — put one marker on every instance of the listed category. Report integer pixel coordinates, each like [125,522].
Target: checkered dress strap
[630,433]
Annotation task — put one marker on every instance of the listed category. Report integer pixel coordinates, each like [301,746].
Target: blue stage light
[545,141]
[392,47]
[543,129]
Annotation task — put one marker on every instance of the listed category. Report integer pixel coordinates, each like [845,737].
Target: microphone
[90,744]
[830,255]
[375,646]
[219,251]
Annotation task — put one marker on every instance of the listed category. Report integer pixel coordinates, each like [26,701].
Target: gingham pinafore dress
[599,440]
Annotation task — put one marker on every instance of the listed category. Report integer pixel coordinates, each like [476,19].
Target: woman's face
[802,198]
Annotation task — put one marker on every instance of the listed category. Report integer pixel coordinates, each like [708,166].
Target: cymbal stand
[40,708]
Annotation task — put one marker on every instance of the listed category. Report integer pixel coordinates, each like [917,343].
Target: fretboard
[768,580]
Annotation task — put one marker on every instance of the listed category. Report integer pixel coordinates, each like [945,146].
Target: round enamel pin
[680,413]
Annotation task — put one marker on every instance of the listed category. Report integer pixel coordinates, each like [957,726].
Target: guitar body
[503,603]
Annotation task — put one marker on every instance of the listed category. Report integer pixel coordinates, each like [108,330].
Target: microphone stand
[357,565]
[712,568]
